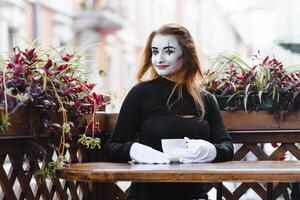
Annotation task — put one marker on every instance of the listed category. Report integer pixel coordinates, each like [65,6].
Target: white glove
[143,154]
[197,151]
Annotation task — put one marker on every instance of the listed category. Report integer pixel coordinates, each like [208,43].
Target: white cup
[168,146]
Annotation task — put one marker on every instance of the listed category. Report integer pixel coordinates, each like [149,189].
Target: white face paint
[166,55]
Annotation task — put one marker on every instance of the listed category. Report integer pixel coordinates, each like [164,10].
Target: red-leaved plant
[47,81]
[251,86]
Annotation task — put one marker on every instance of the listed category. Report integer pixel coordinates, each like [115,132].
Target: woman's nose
[161,58]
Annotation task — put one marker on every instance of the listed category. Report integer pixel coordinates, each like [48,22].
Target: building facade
[113,32]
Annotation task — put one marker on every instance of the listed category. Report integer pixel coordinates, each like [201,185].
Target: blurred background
[118,29]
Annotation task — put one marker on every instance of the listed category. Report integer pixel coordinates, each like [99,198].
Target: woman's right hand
[144,154]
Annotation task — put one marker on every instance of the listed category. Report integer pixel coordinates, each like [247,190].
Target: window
[11,38]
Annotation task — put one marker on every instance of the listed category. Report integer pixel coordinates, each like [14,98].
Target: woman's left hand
[197,151]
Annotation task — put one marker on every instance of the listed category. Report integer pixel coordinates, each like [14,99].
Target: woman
[169,104]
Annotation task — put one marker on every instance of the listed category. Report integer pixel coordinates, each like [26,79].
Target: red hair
[190,74]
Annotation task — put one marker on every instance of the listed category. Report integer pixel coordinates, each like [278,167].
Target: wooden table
[241,171]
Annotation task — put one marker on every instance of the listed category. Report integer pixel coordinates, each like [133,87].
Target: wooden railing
[19,159]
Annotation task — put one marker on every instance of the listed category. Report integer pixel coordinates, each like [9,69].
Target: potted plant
[266,85]
[44,90]
[228,79]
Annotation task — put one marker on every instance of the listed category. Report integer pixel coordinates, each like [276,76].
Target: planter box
[239,120]
[261,120]
[223,102]
[20,124]
[107,121]
[25,123]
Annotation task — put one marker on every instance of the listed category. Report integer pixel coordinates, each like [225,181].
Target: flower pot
[222,101]
[267,103]
[297,103]
[233,104]
[238,103]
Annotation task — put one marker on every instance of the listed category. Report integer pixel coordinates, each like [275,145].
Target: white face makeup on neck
[166,55]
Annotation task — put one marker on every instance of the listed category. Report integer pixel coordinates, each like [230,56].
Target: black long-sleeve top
[145,118]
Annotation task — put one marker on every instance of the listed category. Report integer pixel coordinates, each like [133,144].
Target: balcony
[103,21]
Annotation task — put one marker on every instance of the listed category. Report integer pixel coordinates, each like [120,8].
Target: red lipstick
[162,66]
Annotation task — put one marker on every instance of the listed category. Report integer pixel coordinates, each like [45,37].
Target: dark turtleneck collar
[162,80]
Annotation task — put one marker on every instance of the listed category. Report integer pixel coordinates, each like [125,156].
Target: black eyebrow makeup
[169,47]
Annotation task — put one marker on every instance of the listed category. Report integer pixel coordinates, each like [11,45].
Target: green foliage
[49,170]
[89,142]
[4,122]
